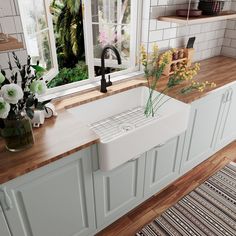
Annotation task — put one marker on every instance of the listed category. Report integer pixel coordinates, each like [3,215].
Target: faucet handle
[109,83]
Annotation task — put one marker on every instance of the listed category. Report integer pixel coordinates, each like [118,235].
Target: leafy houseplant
[154,65]
[18,99]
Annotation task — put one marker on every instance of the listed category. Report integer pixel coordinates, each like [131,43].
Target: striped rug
[208,210]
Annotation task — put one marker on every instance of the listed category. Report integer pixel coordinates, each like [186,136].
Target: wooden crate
[188,52]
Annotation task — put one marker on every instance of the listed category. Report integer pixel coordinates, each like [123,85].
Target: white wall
[12,23]
[209,36]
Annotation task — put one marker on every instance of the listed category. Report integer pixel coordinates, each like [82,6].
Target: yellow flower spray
[154,65]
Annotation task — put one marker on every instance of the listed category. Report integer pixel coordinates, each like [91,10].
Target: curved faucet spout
[103,80]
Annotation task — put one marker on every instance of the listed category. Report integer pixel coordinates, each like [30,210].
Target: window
[39,36]
[111,24]
[75,42]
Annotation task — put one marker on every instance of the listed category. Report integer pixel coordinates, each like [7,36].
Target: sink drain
[125,127]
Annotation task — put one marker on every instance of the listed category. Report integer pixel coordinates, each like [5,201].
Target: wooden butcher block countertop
[64,135]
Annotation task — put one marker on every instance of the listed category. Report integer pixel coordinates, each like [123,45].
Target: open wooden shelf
[12,44]
[197,20]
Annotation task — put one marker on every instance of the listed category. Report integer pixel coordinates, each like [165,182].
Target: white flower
[12,93]
[4,108]
[38,87]
[2,78]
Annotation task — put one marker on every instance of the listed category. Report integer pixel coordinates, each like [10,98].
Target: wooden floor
[129,224]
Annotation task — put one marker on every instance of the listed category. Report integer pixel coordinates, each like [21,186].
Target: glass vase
[18,134]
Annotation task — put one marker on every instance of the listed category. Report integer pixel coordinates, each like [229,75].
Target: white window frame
[54,70]
[134,45]
[92,81]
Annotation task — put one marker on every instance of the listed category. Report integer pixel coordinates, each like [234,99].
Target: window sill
[60,92]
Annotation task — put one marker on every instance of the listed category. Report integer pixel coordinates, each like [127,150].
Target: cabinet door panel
[4,231]
[118,191]
[227,131]
[162,165]
[200,135]
[59,203]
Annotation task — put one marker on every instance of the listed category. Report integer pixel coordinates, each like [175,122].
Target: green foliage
[68,25]
[70,75]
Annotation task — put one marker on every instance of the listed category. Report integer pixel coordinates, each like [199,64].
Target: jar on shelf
[175,55]
[181,54]
[173,67]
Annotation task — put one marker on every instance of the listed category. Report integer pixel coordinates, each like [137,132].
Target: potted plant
[18,99]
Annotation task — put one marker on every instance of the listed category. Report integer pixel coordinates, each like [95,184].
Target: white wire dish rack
[118,125]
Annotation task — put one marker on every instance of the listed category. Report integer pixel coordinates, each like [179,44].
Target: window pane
[39,49]
[116,35]
[41,14]
[69,37]
[111,11]
[34,15]
[111,25]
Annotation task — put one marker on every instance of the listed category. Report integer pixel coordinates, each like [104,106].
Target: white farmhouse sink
[124,131]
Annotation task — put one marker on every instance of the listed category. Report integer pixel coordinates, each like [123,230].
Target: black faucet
[104,83]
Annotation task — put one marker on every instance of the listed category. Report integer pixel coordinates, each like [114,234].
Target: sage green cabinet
[4,230]
[162,165]
[205,119]
[227,130]
[118,191]
[56,200]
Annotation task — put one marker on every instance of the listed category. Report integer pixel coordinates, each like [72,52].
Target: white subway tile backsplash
[155,35]
[206,27]
[163,2]
[9,25]
[153,24]
[220,42]
[164,44]
[12,26]
[228,51]
[183,31]
[178,42]
[4,60]
[154,2]
[22,55]
[233,43]
[7,7]
[226,42]
[230,24]
[206,54]
[230,34]
[210,37]
[216,51]
[158,11]
[162,25]
[170,33]
[195,29]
